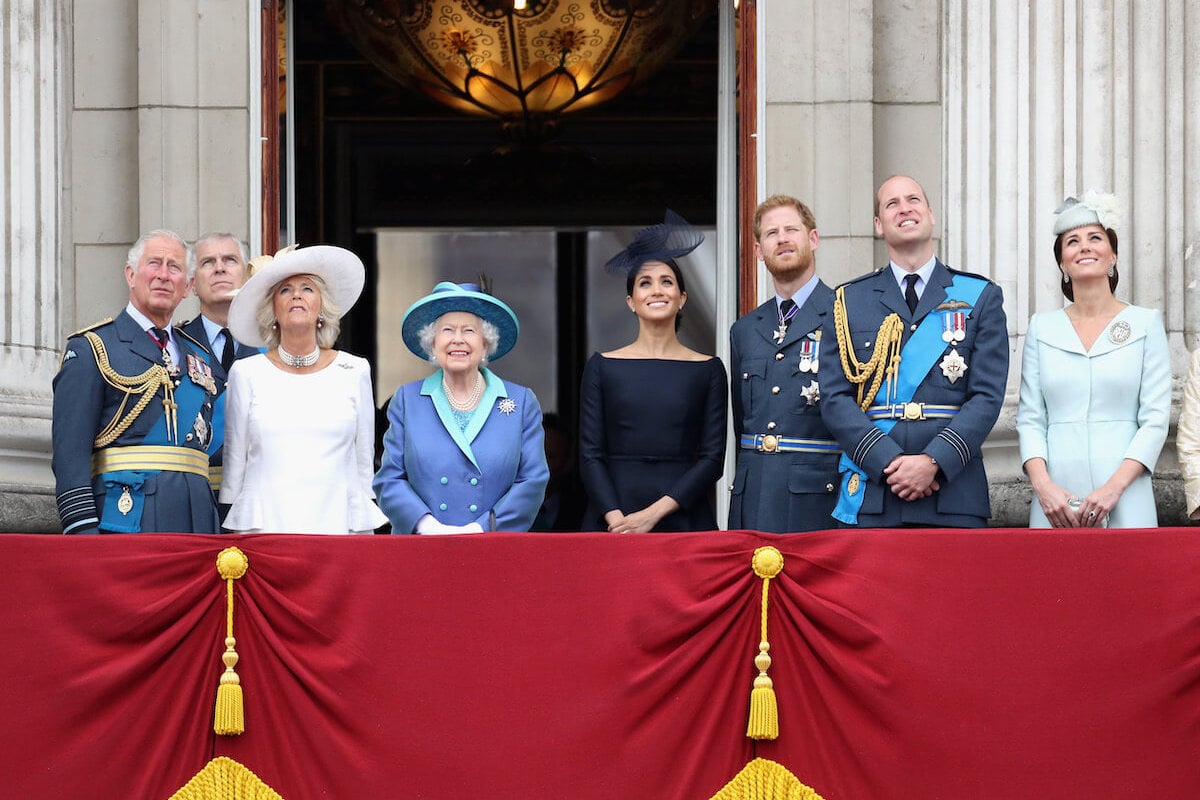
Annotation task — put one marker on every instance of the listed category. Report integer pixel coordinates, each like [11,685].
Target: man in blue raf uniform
[217,269]
[787,464]
[133,406]
[913,378]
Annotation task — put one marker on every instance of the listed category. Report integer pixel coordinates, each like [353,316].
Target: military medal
[812,393]
[125,501]
[781,332]
[201,373]
[954,327]
[507,405]
[808,356]
[953,366]
[201,429]
[852,485]
[1119,332]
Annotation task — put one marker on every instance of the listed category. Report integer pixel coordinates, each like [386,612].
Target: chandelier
[523,62]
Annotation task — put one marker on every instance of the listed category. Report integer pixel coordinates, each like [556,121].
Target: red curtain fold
[911,663]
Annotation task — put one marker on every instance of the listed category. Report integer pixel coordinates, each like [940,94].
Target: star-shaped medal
[812,393]
[507,405]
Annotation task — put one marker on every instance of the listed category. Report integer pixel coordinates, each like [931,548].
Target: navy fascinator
[667,241]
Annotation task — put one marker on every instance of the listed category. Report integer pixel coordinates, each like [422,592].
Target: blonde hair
[327,331]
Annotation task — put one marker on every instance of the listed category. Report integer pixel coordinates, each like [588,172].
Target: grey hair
[135,253]
[213,236]
[327,333]
[490,333]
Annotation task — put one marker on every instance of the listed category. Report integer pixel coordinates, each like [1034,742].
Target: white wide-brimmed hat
[341,270]
[447,297]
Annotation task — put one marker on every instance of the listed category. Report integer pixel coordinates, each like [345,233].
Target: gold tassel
[764,709]
[229,718]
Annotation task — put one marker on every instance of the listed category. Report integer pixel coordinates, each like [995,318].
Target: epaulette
[862,277]
[970,274]
[92,327]
[179,330]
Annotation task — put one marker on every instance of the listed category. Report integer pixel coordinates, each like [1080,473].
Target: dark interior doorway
[371,155]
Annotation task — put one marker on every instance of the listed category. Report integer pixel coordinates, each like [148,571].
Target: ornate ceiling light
[524,62]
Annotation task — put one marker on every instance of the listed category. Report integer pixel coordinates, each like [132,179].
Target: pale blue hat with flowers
[468,297]
[1094,208]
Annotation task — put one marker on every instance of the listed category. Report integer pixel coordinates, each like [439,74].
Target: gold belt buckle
[914,411]
[770,443]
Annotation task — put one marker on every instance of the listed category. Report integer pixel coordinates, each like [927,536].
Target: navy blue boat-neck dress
[652,427]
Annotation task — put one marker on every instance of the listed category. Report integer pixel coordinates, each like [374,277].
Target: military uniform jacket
[771,394]
[955,443]
[84,403]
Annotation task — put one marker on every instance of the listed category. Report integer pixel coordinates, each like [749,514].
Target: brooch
[507,405]
[1119,332]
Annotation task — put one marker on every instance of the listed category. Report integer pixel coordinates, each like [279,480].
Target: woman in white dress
[1095,386]
[300,417]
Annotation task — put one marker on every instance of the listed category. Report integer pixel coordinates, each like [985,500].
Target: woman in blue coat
[463,452]
[1095,386]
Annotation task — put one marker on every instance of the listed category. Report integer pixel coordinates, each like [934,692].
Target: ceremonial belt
[155,458]
[214,477]
[908,412]
[770,443]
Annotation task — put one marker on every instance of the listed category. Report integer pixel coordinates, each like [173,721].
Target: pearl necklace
[471,401]
[299,362]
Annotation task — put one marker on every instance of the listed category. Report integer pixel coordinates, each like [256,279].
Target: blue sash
[189,399]
[918,356]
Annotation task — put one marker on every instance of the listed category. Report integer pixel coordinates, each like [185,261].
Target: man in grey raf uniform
[787,460]
[913,378]
[217,269]
[133,406]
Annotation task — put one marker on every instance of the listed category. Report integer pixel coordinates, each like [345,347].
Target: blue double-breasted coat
[494,473]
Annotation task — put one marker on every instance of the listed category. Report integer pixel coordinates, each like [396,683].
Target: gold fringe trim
[764,710]
[229,717]
[225,779]
[885,358]
[763,779]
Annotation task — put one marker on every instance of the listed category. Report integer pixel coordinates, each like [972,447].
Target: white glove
[429,525]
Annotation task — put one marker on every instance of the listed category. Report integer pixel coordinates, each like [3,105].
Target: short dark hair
[1067,289]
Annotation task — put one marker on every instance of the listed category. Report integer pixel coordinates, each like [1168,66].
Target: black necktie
[227,353]
[910,292]
[786,307]
[160,336]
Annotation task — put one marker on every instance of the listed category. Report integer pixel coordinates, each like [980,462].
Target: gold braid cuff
[885,358]
[145,386]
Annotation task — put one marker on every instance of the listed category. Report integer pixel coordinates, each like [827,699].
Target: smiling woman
[463,452]
[652,413]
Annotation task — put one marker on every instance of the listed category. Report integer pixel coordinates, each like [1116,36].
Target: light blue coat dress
[493,473]
[1084,411]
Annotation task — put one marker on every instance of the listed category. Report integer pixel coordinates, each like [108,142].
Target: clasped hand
[912,477]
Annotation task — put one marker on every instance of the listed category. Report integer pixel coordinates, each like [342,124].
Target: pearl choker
[471,401]
[299,362]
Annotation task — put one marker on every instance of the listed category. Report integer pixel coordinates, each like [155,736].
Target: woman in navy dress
[652,414]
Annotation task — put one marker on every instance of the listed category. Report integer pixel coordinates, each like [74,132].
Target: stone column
[1051,99]
[30,315]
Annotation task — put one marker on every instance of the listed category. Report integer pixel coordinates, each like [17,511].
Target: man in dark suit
[217,267]
[133,410]
[914,378]
[787,460]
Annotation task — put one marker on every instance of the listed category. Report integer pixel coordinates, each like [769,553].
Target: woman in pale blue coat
[463,452]
[1095,386]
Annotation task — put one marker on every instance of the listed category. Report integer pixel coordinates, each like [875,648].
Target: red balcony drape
[907,664]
